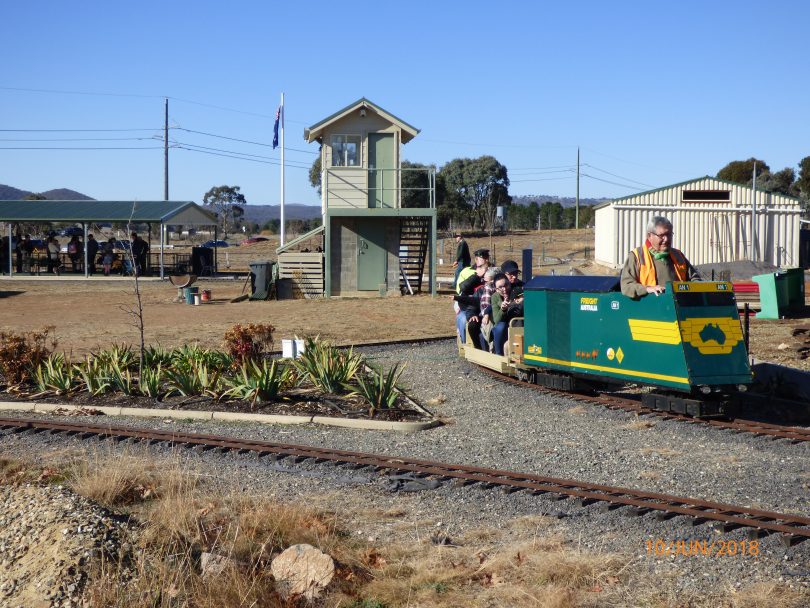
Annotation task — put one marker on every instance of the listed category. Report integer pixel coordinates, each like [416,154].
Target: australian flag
[275,128]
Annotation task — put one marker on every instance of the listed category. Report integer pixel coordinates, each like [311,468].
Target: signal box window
[345,150]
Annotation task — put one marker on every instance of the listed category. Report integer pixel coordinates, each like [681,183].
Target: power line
[180,143]
[85,139]
[142,96]
[77,148]
[254,160]
[619,176]
[539,179]
[629,162]
[467,143]
[71,130]
[543,168]
[81,93]
[543,172]
[610,182]
[244,141]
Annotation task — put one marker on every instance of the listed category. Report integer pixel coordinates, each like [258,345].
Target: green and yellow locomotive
[581,331]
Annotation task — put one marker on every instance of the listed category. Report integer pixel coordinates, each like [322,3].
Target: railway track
[793,434]
[790,529]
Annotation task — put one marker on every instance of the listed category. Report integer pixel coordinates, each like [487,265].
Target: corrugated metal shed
[712,223]
[167,212]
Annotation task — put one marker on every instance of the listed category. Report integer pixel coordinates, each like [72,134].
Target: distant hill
[565,201]
[9,193]
[264,213]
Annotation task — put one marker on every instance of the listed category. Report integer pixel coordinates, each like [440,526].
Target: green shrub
[93,375]
[328,367]
[120,356]
[150,382]
[121,379]
[55,374]
[184,381]
[208,379]
[156,355]
[379,389]
[258,381]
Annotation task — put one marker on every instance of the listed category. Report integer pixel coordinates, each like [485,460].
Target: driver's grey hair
[658,220]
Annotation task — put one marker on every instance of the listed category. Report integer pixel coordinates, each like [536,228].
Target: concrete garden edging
[372,425]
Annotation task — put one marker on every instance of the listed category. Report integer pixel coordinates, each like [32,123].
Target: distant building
[712,221]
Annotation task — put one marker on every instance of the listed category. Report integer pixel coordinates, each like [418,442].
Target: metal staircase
[414,236]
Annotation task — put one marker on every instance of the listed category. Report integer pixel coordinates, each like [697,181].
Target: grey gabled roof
[186,212]
[314,132]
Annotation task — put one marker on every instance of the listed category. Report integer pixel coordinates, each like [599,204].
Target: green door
[382,178]
[371,257]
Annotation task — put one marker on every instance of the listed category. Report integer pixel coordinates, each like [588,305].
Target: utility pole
[166,150]
[576,217]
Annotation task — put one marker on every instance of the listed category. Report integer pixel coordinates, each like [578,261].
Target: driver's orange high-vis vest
[646,267]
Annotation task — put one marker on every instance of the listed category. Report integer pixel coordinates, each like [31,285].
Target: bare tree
[136,311]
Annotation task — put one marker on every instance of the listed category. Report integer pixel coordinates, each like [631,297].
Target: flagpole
[281,120]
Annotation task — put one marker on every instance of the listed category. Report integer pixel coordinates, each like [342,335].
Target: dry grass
[578,410]
[528,573]
[519,565]
[129,478]
[639,424]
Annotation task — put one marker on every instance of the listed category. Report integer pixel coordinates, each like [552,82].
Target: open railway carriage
[581,331]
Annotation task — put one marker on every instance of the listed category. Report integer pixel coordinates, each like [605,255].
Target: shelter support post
[162,240]
[86,267]
[10,251]
[216,238]
[148,243]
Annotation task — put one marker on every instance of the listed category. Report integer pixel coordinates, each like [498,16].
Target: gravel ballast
[493,424]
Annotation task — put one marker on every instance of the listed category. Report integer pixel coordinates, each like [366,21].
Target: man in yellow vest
[648,268]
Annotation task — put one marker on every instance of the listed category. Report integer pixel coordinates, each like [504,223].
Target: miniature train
[581,333]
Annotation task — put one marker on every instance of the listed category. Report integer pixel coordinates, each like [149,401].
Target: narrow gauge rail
[793,434]
[790,528]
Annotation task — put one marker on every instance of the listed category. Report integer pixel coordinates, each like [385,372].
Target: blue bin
[189,293]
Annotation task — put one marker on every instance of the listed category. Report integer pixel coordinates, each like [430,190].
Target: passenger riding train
[582,333]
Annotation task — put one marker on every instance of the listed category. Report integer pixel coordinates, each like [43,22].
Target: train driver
[649,267]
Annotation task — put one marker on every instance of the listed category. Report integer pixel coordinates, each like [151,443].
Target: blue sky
[653,93]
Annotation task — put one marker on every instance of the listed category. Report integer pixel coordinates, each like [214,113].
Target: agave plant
[121,379]
[328,367]
[156,355]
[208,379]
[150,382]
[378,389]
[183,380]
[118,355]
[93,375]
[55,374]
[258,381]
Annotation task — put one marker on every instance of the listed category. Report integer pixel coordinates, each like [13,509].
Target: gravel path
[497,425]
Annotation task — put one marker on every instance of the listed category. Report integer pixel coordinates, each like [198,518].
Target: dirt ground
[92,314]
